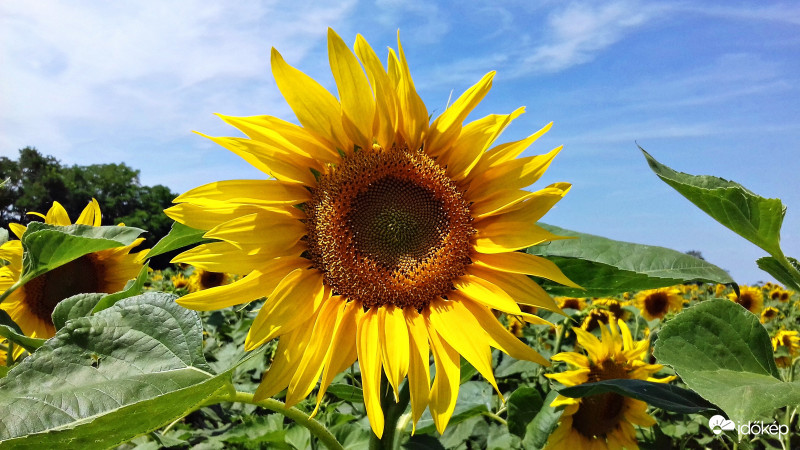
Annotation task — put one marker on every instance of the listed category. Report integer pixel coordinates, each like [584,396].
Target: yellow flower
[752,298]
[571,302]
[791,342]
[656,303]
[383,238]
[605,420]
[31,305]
[179,281]
[779,294]
[515,325]
[719,289]
[202,279]
[769,314]
[596,318]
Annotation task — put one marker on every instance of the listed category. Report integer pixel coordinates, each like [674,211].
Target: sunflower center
[43,293]
[746,300]
[211,279]
[657,304]
[389,227]
[600,414]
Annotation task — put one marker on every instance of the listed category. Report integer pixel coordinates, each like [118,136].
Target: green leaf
[543,424]
[104,379]
[132,288]
[80,305]
[523,404]
[755,218]
[473,398]
[423,442]
[46,246]
[347,392]
[664,396]
[11,331]
[773,267]
[179,236]
[723,353]
[607,267]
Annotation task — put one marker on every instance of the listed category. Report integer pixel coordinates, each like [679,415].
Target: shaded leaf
[773,267]
[606,267]
[423,442]
[664,396]
[134,287]
[11,331]
[723,353]
[80,305]
[523,405]
[543,424]
[347,392]
[473,399]
[139,363]
[179,236]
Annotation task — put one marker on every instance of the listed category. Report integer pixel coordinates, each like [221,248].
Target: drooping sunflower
[383,237]
[790,342]
[605,420]
[752,298]
[656,303]
[31,305]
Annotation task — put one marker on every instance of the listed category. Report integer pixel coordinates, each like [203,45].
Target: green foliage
[607,267]
[659,395]
[722,352]
[35,181]
[179,236]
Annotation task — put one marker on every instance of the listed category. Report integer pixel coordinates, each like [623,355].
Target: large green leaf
[723,353]
[46,246]
[543,424]
[523,405]
[780,271]
[606,267]
[179,236]
[104,379]
[755,218]
[664,396]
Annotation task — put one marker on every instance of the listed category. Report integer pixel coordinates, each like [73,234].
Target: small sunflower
[515,325]
[384,237]
[752,298]
[179,281]
[656,303]
[31,305]
[577,304]
[790,341]
[769,314]
[604,420]
[202,279]
[595,318]
[719,289]
[777,293]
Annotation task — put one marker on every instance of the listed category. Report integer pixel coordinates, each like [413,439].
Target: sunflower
[577,304]
[777,293]
[656,303]
[382,238]
[595,318]
[604,420]
[31,305]
[790,341]
[769,314]
[752,298]
[179,281]
[202,279]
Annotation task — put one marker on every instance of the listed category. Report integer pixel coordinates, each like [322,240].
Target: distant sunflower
[179,281]
[202,279]
[595,318]
[752,298]
[777,293]
[790,341]
[604,420]
[769,314]
[31,306]
[577,304]
[383,238]
[656,303]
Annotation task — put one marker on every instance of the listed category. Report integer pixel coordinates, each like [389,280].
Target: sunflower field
[389,284]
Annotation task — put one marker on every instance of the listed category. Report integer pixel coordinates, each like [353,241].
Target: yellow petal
[459,328]
[575,359]
[519,287]
[444,390]
[513,174]
[90,215]
[485,292]
[283,136]
[500,235]
[310,365]
[413,110]
[571,377]
[17,229]
[419,374]
[291,347]
[523,263]
[499,202]
[342,352]
[499,337]
[594,348]
[474,139]
[446,128]
[57,215]
[386,122]
[355,94]
[313,105]
[534,208]
[267,231]
[508,151]
[298,296]
[394,346]
[225,257]
[369,359]
[253,192]
[208,216]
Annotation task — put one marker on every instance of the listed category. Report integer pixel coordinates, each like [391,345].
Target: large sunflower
[31,305]
[383,238]
[604,420]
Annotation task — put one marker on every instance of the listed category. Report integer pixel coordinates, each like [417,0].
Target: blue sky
[705,87]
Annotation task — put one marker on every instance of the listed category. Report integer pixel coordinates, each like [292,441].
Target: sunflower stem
[392,412]
[560,337]
[299,417]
